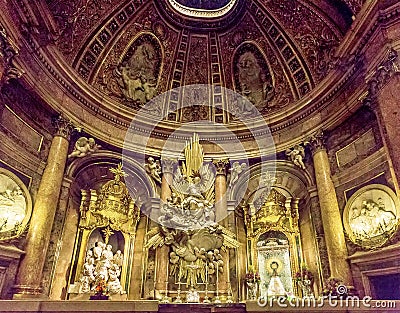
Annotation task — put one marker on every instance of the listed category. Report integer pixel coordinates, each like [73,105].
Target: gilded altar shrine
[178,250]
[107,227]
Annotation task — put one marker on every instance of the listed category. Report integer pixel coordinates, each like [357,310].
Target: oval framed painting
[371,216]
[15,206]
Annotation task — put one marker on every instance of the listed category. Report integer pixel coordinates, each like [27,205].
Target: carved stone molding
[63,127]
[168,165]
[8,51]
[384,72]
[221,166]
[354,5]
[317,142]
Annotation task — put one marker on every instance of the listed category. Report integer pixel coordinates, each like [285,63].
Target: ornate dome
[115,57]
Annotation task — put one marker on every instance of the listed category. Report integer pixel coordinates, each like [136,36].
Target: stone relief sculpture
[371,216]
[236,170]
[153,168]
[194,247]
[296,155]
[137,75]
[15,205]
[83,147]
[252,76]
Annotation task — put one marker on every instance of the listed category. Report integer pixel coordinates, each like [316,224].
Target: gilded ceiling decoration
[271,52]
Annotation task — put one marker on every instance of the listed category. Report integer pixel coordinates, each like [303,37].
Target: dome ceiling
[274,52]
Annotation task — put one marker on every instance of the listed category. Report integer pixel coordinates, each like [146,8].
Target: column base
[21,292]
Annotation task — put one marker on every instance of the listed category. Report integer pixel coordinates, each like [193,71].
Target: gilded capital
[168,165]
[221,166]
[63,126]
[317,142]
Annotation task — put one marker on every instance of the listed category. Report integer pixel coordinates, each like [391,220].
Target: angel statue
[192,199]
[296,155]
[84,147]
[153,168]
[196,206]
[193,253]
[236,170]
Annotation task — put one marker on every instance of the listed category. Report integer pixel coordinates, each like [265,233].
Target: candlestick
[217,300]
[206,300]
[165,298]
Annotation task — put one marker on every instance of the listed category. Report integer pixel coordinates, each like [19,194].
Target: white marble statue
[153,168]
[88,277]
[83,147]
[118,258]
[101,264]
[236,170]
[297,155]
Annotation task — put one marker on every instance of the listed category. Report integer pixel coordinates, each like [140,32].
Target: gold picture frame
[371,216]
[15,206]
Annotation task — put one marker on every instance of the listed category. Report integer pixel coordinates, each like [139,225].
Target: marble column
[221,208]
[330,213]
[64,257]
[28,282]
[221,212]
[383,95]
[316,219]
[162,253]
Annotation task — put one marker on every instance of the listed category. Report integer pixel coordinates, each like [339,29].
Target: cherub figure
[153,167]
[84,147]
[296,155]
[235,170]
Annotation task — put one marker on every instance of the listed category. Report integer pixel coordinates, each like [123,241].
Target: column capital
[221,166]
[168,165]
[63,127]
[317,142]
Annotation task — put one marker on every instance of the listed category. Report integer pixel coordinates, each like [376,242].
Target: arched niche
[252,75]
[273,235]
[274,263]
[291,192]
[138,72]
[91,173]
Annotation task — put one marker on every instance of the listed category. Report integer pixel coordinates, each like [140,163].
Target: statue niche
[252,79]
[107,228]
[138,72]
[273,237]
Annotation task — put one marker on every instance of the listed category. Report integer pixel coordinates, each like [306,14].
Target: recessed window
[203,8]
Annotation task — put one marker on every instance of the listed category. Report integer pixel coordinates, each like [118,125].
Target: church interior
[203,155]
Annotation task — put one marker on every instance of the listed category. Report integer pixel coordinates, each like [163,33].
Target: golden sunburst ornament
[118,172]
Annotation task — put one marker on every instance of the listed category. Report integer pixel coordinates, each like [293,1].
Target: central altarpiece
[190,245]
